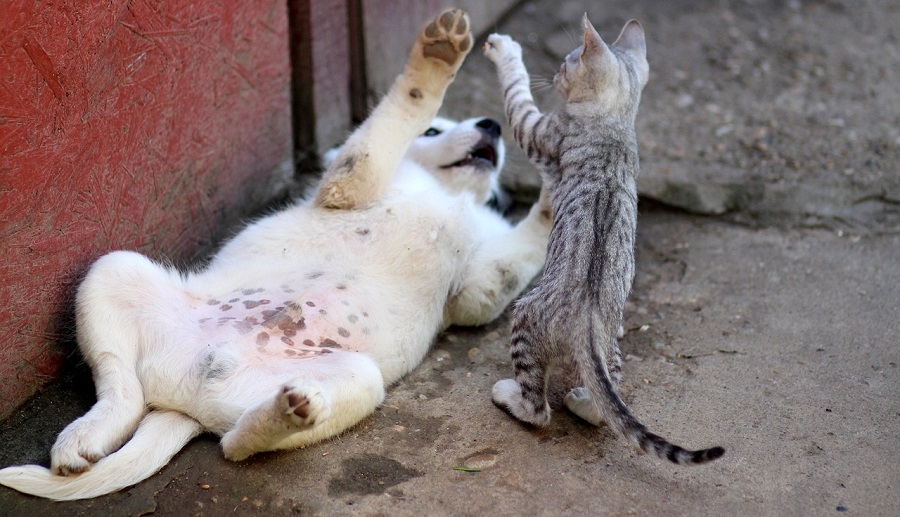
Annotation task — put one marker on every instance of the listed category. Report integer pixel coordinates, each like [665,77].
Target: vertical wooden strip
[303,113]
[359,88]
[321,58]
[331,71]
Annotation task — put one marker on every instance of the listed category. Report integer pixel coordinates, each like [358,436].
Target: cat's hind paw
[579,402]
[447,38]
[507,395]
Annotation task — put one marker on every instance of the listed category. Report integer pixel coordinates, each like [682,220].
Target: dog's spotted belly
[287,322]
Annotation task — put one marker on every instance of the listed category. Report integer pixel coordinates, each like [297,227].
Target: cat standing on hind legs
[588,157]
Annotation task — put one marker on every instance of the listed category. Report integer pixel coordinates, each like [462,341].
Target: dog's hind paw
[76,449]
[303,405]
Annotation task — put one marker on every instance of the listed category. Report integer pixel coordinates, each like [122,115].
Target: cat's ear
[593,45]
[632,41]
[631,38]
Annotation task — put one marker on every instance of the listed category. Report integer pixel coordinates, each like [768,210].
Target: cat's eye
[432,131]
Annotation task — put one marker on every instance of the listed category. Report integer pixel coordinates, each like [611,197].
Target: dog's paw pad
[304,406]
[447,37]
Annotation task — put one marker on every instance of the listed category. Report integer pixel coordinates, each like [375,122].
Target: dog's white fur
[295,327]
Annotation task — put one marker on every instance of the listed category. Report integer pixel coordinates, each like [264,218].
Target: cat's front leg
[506,54]
[366,162]
[531,129]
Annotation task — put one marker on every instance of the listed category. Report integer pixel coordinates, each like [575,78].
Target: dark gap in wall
[359,108]
[303,115]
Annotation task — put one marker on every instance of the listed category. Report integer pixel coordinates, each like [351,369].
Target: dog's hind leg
[327,396]
[365,163]
[109,336]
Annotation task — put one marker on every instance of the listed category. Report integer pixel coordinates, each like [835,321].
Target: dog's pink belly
[279,322]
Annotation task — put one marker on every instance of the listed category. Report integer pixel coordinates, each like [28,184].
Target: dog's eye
[432,131]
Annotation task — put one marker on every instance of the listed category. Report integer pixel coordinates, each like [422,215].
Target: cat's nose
[490,126]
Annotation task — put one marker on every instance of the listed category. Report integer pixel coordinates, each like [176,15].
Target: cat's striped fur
[588,156]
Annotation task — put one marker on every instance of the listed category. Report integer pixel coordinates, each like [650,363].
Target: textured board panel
[125,125]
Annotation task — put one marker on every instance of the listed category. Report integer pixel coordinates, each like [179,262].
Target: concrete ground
[775,337]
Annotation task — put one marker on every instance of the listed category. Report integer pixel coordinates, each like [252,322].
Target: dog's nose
[490,126]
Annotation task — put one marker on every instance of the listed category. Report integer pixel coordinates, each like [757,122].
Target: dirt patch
[369,474]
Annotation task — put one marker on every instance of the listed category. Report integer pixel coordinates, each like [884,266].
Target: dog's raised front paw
[447,38]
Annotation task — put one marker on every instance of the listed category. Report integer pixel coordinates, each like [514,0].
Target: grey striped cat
[588,157]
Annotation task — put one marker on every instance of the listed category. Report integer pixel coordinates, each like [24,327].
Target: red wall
[125,125]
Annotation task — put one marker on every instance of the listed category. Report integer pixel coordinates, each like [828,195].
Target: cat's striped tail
[160,435]
[599,401]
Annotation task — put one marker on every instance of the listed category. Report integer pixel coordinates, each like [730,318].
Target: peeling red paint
[124,125]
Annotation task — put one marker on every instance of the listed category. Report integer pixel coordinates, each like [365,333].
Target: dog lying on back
[295,327]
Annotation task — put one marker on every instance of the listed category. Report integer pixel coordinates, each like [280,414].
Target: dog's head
[463,156]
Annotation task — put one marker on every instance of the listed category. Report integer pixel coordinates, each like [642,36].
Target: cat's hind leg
[365,163]
[326,396]
[525,397]
[109,336]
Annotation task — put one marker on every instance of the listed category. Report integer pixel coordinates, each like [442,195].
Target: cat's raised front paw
[447,37]
[499,46]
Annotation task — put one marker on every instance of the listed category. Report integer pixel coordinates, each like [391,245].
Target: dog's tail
[160,435]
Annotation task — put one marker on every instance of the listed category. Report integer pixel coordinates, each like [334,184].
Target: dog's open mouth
[485,155]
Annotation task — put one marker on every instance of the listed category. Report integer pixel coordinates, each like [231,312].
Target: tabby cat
[588,156]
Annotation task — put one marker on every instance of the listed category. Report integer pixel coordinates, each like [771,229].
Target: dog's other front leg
[327,395]
[365,163]
[501,268]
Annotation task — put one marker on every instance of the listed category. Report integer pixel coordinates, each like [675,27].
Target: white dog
[295,327]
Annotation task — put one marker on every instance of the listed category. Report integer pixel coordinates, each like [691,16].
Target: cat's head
[609,77]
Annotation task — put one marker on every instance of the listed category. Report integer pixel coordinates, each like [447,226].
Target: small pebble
[481,461]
